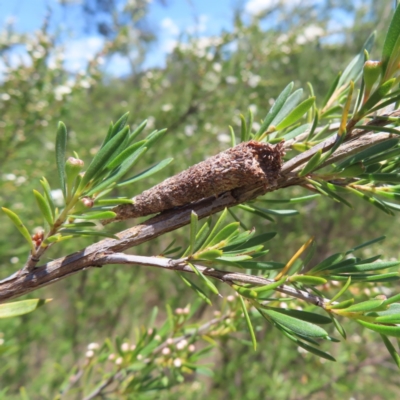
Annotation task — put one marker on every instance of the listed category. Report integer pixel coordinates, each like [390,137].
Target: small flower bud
[93,346]
[89,354]
[372,71]
[119,361]
[125,346]
[165,351]
[87,202]
[177,362]
[181,345]
[73,167]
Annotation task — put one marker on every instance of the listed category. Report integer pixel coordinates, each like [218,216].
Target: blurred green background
[196,90]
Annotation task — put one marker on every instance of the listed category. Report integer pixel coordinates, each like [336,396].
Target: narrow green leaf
[202,234]
[379,129]
[208,283]
[296,113]
[388,319]
[371,151]
[225,233]
[308,280]
[367,267]
[17,308]
[137,131]
[280,213]
[196,289]
[331,90]
[116,175]
[251,242]
[341,291]
[255,211]
[95,215]
[267,288]
[194,221]
[101,159]
[243,129]
[354,69]
[207,254]
[390,46]
[121,157]
[154,137]
[338,327]
[81,232]
[311,164]
[366,244]
[304,316]
[389,277]
[293,133]
[288,107]
[250,119]
[327,263]
[296,325]
[20,226]
[274,110]
[148,172]
[371,200]
[369,305]
[44,207]
[79,225]
[392,299]
[233,138]
[293,200]
[392,351]
[117,127]
[263,266]
[248,322]
[315,351]
[47,192]
[382,329]
[343,304]
[61,145]
[377,96]
[215,229]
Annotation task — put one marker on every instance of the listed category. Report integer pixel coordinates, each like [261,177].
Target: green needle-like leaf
[47,193]
[95,215]
[382,329]
[148,172]
[248,322]
[44,207]
[391,349]
[273,112]
[20,226]
[61,145]
[296,114]
[391,44]
[101,159]
[21,307]
[194,287]
[288,107]
[194,221]
[296,325]
[311,164]
[341,291]
[208,283]
[215,229]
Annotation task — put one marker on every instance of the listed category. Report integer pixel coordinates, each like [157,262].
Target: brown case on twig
[246,164]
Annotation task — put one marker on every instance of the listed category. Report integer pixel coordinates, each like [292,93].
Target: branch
[20,283]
